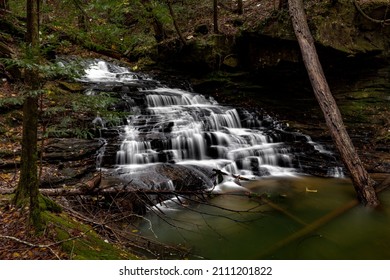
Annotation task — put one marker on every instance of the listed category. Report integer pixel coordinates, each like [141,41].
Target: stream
[175,139]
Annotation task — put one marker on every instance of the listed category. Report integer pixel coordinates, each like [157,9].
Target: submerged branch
[309,228]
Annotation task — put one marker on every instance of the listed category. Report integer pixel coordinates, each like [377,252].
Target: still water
[237,227]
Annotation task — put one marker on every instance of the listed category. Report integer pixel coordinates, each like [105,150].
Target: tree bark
[363,184]
[27,191]
[215,16]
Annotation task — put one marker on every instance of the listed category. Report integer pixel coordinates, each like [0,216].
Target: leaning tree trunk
[362,182]
[27,192]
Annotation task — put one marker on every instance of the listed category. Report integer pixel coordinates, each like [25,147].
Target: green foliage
[161,12]
[71,115]
[18,7]
[6,102]
[45,69]
[94,103]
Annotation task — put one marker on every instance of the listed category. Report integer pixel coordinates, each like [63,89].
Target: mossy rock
[72,87]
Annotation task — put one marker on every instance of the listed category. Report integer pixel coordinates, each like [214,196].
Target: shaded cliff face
[263,35]
[341,30]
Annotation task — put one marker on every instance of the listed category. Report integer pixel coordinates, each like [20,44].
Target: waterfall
[171,125]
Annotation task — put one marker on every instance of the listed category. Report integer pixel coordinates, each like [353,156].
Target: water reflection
[238,227]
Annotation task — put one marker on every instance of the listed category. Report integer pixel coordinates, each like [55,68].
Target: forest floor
[18,240]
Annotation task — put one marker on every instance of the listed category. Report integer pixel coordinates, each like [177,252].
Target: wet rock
[54,176]
[164,176]
[66,149]
[68,159]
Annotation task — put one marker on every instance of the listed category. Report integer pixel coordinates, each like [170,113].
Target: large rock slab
[162,176]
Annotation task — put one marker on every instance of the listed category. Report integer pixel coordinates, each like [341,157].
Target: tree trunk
[4,5]
[27,191]
[240,7]
[158,27]
[215,16]
[362,182]
[82,16]
[175,22]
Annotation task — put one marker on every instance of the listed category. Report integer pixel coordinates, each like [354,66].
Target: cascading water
[181,127]
[169,125]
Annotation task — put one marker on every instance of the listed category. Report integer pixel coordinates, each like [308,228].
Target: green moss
[72,87]
[49,205]
[81,242]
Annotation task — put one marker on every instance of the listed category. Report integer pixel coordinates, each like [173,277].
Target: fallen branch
[115,190]
[43,246]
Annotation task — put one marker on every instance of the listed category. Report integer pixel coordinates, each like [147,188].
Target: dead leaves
[18,241]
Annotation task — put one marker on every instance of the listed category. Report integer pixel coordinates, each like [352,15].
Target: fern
[7,102]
